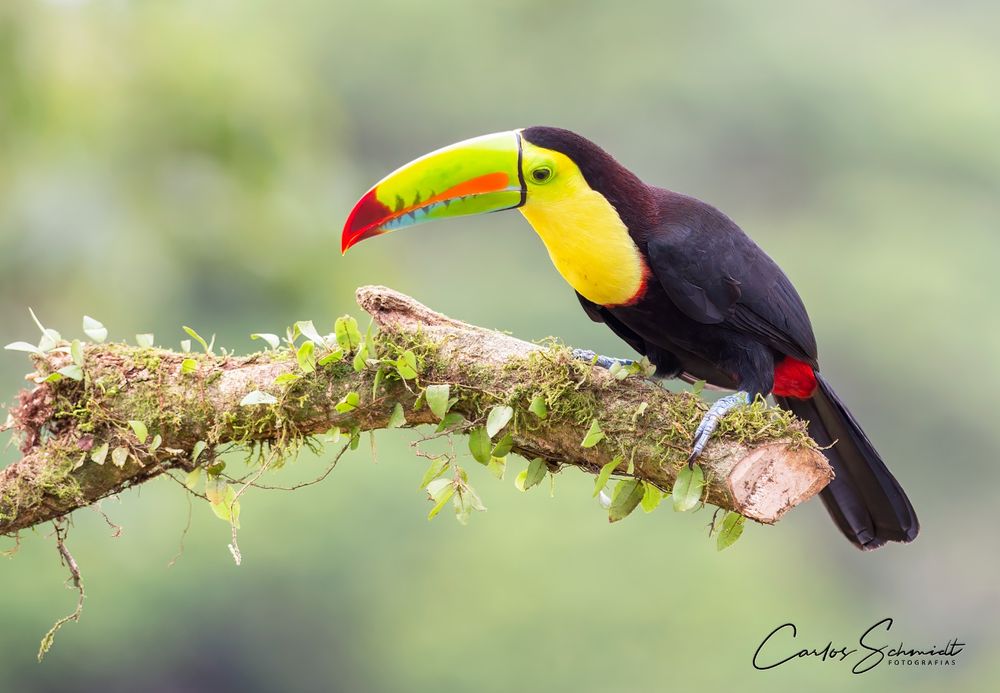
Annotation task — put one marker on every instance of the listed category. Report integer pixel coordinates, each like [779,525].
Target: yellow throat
[587,241]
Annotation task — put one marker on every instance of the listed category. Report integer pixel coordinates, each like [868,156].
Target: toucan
[672,276]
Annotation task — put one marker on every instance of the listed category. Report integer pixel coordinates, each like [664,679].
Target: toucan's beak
[472,177]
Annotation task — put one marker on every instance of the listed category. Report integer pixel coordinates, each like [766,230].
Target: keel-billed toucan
[672,276]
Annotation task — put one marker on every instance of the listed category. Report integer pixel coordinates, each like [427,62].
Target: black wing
[715,274]
[667,364]
[601,314]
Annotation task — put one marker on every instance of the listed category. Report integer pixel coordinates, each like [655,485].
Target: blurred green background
[168,163]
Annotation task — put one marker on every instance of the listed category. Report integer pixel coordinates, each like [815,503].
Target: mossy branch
[761,464]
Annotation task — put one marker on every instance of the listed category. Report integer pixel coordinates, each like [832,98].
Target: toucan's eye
[541,174]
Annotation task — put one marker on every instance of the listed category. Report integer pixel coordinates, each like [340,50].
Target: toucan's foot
[710,421]
[599,360]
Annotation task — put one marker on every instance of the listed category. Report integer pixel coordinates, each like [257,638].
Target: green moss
[664,426]
[558,377]
[52,477]
[146,359]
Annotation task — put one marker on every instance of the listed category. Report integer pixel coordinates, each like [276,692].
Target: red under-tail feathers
[864,499]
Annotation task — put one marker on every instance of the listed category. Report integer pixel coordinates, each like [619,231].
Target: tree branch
[760,465]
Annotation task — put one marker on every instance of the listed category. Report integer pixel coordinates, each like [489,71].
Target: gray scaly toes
[599,360]
[710,421]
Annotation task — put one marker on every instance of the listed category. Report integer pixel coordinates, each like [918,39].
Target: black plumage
[716,307]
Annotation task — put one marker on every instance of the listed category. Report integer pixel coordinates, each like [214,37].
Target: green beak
[471,177]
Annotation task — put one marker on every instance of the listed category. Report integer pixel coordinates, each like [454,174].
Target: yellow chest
[589,246]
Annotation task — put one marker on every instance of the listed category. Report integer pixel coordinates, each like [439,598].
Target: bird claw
[710,421]
[599,360]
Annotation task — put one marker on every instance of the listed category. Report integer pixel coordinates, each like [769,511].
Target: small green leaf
[49,337]
[100,453]
[188,366]
[602,478]
[370,340]
[24,346]
[498,417]
[462,510]
[76,352]
[286,378]
[155,444]
[215,489]
[437,399]
[537,407]
[626,496]
[72,371]
[440,491]
[445,497]
[651,497]
[350,402]
[436,487]
[594,435]
[406,365]
[535,473]
[497,466]
[258,397]
[224,504]
[272,340]
[697,386]
[450,420]
[345,329]
[504,446]
[642,367]
[732,528]
[619,371]
[332,357]
[687,488]
[50,378]
[639,411]
[360,361]
[465,501]
[49,341]
[437,467]
[479,445]
[198,448]
[306,356]
[140,430]
[192,478]
[520,479]
[198,338]
[144,340]
[94,329]
[309,331]
[397,418]
[119,456]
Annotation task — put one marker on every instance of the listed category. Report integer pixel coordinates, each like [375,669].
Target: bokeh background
[191,162]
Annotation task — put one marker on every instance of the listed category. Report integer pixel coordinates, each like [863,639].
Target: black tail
[864,499]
